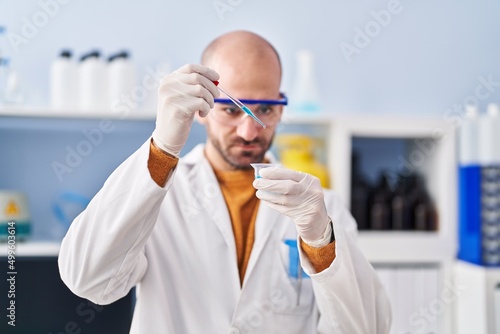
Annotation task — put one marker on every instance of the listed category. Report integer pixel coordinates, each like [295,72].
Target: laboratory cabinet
[60,161]
[413,144]
[478,302]
[415,266]
[40,302]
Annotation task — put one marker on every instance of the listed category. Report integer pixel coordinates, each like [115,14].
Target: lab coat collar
[194,156]
[203,183]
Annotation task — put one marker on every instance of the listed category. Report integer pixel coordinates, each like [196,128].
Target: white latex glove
[298,196]
[181,94]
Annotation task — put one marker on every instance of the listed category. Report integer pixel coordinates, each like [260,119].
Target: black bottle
[380,204]
[360,191]
[402,204]
[424,211]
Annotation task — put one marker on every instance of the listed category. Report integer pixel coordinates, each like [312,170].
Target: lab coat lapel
[267,221]
[206,190]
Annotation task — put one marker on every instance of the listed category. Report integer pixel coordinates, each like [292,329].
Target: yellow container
[297,152]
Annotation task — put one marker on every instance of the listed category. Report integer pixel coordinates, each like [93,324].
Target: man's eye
[233,111]
[264,109]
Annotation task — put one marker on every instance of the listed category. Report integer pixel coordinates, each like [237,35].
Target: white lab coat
[176,245]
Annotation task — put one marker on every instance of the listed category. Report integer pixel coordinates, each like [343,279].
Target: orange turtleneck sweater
[242,204]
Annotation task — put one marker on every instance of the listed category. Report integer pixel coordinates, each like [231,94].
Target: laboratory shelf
[45,112]
[400,247]
[32,248]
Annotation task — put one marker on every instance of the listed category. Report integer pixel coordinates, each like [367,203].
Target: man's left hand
[297,195]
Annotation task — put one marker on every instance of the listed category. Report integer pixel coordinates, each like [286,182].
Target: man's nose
[248,129]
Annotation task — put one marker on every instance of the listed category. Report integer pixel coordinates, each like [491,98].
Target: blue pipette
[240,105]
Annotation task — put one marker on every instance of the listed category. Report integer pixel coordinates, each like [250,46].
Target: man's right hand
[181,94]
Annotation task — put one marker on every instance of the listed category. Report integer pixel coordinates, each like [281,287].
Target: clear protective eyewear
[267,110]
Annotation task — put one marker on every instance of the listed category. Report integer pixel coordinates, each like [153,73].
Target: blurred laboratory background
[392,103]
[420,60]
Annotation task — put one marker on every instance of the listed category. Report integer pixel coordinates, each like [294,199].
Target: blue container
[479,214]
[469,211]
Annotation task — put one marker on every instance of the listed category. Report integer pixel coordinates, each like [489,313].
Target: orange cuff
[160,164]
[320,258]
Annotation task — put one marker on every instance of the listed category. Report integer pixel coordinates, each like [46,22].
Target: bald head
[243,53]
[248,67]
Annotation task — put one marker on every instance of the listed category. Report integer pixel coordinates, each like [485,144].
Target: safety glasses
[268,111]
[283,101]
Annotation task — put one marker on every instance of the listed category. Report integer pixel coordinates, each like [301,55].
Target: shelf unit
[439,167]
[401,249]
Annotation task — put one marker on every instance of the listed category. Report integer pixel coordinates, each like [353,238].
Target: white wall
[427,58]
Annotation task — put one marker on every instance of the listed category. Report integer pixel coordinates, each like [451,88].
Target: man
[209,249]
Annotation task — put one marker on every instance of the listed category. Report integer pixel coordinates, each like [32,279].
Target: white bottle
[468,137]
[489,136]
[63,83]
[93,83]
[122,81]
[13,94]
[304,97]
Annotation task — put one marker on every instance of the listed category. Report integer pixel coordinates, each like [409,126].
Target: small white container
[489,136]
[93,83]
[468,137]
[122,80]
[64,83]
[259,166]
